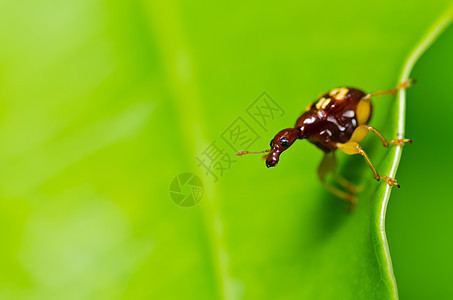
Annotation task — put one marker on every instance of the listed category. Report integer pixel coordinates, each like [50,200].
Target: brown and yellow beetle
[337,120]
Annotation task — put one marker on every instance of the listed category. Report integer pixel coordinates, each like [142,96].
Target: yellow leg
[361,132]
[403,85]
[351,148]
[352,188]
[363,110]
[327,166]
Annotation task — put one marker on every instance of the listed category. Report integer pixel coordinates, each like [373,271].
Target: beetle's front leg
[361,132]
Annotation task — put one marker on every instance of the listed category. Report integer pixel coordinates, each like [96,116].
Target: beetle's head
[281,141]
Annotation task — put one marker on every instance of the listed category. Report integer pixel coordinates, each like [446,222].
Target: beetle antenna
[239,153]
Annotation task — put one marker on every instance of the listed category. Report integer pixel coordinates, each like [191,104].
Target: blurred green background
[103,103]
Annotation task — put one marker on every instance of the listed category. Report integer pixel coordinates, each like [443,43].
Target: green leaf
[419,221]
[104,103]
[380,240]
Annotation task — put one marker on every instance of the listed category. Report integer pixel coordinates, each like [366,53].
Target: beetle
[339,120]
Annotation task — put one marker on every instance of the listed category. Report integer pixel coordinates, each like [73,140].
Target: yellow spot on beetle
[339,94]
[322,103]
[363,111]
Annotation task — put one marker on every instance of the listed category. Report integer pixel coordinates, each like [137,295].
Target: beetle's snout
[271,163]
[272,159]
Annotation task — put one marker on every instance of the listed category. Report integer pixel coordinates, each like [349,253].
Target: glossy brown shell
[332,118]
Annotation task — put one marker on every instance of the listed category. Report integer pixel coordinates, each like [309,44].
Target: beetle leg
[327,166]
[352,188]
[351,148]
[403,85]
[361,132]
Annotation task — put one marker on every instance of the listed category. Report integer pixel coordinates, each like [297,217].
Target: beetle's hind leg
[393,91]
[352,147]
[326,167]
[349,186]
